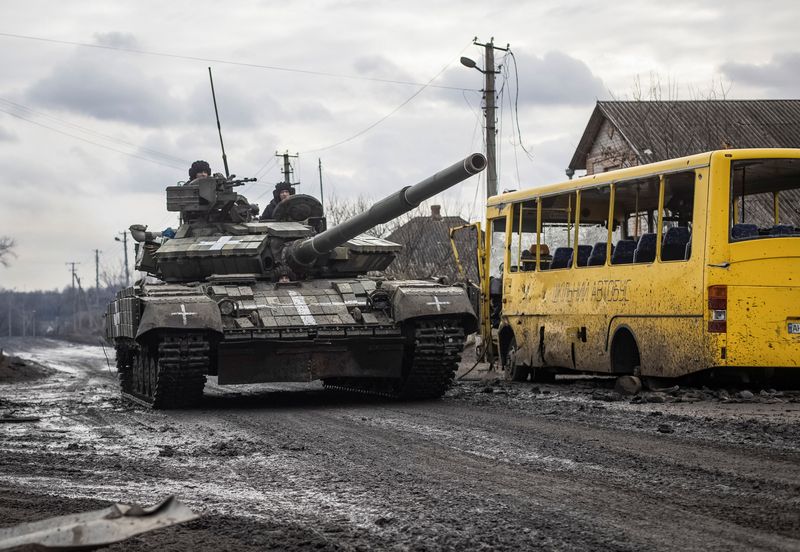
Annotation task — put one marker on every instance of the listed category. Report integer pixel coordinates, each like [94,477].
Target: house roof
[427,252]
[659,130]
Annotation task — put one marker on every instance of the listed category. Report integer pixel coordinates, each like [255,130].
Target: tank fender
[426,301]
[180,313]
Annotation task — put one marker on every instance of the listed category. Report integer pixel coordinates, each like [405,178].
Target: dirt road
[510,467]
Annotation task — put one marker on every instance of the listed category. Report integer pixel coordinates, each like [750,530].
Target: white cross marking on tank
[438,303]
[183,314]
[216,245]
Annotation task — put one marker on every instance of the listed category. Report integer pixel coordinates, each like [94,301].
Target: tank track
[427,372]
[167,373]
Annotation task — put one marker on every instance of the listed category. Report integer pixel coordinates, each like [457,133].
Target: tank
[283,300]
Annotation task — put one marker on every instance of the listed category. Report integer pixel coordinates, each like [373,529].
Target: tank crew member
[199,169]
[281,192]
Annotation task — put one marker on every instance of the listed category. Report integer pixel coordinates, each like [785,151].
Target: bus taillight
[718,309]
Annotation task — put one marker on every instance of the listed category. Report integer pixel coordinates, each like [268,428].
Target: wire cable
[223,61]
[516,105]
[392,112]
[35,112]
[143,158]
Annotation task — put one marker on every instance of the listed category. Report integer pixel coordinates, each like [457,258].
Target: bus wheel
[624,353]
[513,371]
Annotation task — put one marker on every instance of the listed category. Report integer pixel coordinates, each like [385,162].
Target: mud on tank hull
[398,339]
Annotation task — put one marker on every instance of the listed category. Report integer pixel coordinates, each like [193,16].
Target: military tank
[283,300]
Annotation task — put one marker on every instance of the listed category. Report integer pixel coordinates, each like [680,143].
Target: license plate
[794,327]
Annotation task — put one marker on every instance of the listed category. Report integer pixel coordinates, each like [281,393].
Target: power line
[87,130]
[37,123]
[225,62]
[392,112]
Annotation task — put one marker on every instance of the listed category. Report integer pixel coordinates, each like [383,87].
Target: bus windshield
[765,199]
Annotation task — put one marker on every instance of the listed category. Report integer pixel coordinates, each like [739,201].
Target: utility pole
[74,296]
[124,241]
[287,167]
[321,197]
[489,73]
[97,276]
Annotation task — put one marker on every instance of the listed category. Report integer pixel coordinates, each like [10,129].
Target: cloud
[781,75]
[106,86]
[555,78]
[116,40]
[7,135]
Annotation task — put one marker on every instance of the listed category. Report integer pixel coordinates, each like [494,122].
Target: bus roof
[690,161]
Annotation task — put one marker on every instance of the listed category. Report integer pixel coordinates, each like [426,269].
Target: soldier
[281,192]
[199,169]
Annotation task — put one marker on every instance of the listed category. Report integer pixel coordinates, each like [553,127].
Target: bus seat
[743,231]
[688,254]
[646,249]
[583,255]
[674,246]
[598,256]
[528,261]
[561,257]
[782,230]
[623,252]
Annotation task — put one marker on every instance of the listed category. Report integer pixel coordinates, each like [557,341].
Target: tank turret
[220,238]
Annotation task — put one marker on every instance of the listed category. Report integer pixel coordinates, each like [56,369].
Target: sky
[104,104]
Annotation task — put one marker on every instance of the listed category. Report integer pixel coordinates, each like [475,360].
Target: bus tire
[511,368]
[625,358]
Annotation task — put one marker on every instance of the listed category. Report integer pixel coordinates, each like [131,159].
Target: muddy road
[492,466]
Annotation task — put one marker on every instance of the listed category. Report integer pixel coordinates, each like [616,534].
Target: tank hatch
[187,259]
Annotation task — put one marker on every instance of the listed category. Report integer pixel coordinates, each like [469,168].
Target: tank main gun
[303,254]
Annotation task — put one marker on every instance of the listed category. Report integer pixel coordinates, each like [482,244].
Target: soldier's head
[199,169]
[283,190]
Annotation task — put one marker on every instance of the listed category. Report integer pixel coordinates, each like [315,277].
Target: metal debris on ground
[96,529]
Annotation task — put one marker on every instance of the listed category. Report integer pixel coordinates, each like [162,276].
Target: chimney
[436,212]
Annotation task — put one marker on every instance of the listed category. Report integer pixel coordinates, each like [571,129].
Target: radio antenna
[219,128]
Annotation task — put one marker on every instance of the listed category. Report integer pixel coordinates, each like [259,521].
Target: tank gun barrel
[306,252]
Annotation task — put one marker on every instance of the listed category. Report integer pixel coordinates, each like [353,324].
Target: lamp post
[489,111]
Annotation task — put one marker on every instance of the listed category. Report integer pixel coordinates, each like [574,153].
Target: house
[628,133]
[426,249]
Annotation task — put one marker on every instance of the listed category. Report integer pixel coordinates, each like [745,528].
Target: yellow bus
[660,270]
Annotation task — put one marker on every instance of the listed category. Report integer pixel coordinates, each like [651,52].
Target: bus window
[523,237]
[497,246]
[636,211]
[593,226]
[676,220]
[558,230]
[765,198]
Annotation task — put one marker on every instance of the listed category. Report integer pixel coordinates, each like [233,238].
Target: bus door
[496,250]
[469,252]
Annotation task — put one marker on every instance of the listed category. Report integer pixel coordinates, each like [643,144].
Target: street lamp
[489,108]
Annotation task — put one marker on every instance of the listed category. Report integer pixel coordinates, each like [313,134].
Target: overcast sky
[90,136]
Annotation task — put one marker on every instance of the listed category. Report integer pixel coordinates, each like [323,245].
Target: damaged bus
[680,267]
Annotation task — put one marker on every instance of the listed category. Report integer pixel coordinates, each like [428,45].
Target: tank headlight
[226,307]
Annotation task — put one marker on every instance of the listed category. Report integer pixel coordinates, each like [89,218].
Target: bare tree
[6,250]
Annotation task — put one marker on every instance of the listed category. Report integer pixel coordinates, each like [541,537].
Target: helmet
[279,187]
[199,166]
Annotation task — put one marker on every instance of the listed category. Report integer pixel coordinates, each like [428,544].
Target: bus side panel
[668,346]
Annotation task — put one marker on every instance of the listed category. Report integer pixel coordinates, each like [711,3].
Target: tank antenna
[219,128]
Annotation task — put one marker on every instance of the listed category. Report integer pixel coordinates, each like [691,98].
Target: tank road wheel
[125,356]
[512,370]
[169,372]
